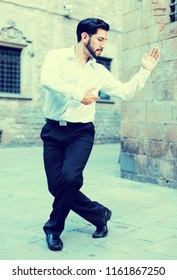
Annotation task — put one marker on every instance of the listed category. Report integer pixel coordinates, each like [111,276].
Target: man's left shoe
[102,230]
[54,242]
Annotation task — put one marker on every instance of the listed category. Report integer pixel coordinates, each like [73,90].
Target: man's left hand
[149,61]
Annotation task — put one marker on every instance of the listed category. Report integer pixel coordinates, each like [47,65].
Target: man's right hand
[90,97]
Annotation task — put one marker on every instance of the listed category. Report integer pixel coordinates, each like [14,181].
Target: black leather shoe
[102,230]
[54,242]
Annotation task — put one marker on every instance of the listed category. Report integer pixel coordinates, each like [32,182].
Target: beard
[91,50]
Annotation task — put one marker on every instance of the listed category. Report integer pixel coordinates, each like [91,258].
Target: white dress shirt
[66,82]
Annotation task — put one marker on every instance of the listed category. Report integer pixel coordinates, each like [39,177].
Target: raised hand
[149,61]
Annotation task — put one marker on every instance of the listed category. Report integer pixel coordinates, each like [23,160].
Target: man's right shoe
[102,229]
[54,242]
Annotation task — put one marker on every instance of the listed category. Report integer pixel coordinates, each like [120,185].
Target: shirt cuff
[145,71]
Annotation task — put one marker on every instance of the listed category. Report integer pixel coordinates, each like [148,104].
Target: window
[173,14]
[10,69]
[15,64]
[0,135]
[107,63]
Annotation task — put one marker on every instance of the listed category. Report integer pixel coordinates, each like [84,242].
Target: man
[72,80]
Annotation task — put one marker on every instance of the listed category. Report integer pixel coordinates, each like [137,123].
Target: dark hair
[90,26]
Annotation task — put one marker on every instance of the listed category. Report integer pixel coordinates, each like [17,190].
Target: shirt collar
[71,54]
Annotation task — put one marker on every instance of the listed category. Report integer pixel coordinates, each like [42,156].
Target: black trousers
[66,151]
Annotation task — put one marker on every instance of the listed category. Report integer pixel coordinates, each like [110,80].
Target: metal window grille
[107,63]
[0,135]
[10,69]
[173,14]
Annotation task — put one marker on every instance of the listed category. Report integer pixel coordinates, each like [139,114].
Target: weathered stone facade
[46,25]
[149,120]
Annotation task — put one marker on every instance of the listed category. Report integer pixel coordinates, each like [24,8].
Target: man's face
[96,43]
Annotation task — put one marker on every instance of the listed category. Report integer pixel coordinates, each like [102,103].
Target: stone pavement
[143,224]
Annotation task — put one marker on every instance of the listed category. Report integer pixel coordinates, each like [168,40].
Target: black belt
[63,123]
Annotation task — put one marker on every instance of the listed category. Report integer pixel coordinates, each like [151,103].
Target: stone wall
[45,24]
[149,127]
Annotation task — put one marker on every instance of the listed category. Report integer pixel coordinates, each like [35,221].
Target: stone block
[154,132]
[133,112]
[168,171]
[127,175]
[157,149]
[127,162]
[169,31]
[160,112]
[173,150]
[169,49]
[174,112]
[172,185]
[154,33]
[175,93]
[132,57]
[145,179]
[170,133]
[134,21]
[147,166]
[164,91]
[128,129]
[166,71]
[130,6]
[174,170]
[130,145]
[135,38]
[141,131]
[146,94]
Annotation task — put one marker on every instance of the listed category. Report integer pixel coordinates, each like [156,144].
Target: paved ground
[143,225]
